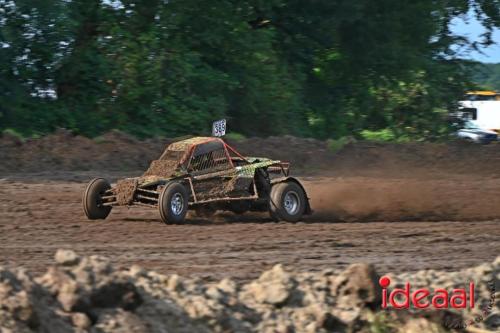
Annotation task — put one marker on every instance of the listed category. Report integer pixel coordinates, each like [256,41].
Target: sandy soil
[399,224]
[403,207]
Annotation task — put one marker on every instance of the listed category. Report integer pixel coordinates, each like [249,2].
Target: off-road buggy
[204,174]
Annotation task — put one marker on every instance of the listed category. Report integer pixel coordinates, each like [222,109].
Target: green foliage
[335,145]
[487,76]
[235,136]
[325,69]
[380,323]
[13,133]
[382,135]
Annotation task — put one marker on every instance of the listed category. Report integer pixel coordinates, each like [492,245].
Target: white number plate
[219,127]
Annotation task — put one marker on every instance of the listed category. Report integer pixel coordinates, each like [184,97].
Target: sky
[472,29]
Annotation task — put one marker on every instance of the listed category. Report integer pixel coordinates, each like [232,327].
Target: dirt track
[403,207]
[37,216]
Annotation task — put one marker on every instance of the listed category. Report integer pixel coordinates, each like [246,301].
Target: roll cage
[206,155]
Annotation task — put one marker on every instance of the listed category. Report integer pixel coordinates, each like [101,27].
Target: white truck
[478,116]
[483,108]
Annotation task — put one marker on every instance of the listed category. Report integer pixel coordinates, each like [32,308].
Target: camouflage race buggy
[204,174]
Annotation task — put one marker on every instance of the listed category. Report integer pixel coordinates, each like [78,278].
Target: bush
[13,133]
[380,135]
[336,145]
[235,136]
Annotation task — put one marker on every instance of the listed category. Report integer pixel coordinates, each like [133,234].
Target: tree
[318,68]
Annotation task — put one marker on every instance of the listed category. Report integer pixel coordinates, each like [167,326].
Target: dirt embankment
[116,151]
[89,294]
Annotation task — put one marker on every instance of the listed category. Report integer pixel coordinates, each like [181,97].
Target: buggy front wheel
[173,203]
[92,199]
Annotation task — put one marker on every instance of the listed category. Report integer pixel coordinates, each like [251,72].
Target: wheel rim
[291,203]
[177,204]
[98,199]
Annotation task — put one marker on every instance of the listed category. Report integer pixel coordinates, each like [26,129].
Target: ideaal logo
[458,298]
[423,298]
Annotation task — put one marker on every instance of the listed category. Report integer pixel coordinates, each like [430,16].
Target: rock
[99,265]
[20,306]
[81,320]
[66,258]
[419,325]
[68,296]
[272,287]
[214,293]
[136,271]
[89,294]
[357,286]
[275,294]
[492,322]
[496,262]
[53,279]
[227,285]
[120,321]
[116,295]
[331,323]
[174,283]
[14,295]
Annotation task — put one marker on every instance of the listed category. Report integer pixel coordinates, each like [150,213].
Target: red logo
[458,298]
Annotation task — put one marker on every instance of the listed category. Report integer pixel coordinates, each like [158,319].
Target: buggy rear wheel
[173,203]
[287,202]
[92,199]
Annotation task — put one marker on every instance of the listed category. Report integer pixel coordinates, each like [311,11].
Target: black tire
[287,202]
[92,199]
[170,212]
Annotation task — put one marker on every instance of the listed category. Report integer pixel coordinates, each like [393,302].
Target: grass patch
[379,323]
[99,140]
[13,133]
[383,135]
[334,145]
[235,136]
